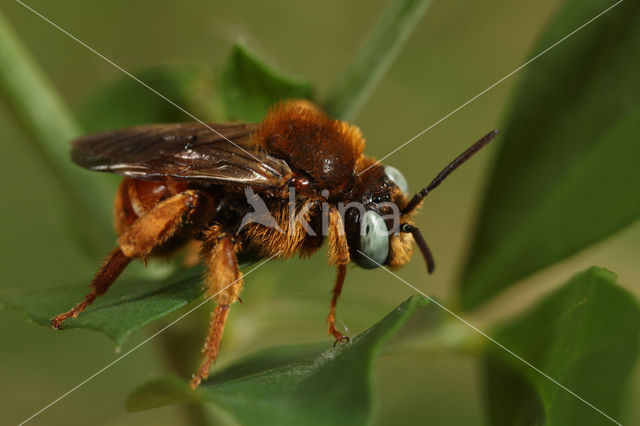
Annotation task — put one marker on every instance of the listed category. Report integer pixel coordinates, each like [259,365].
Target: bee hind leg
[224,282]
[146,233]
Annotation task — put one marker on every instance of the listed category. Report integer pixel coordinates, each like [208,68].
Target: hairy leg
[146,233]
[107,274]
[337,288]
[224,281]
[338,255]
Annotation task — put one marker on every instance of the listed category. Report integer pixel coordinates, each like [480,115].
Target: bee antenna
[447,170]
[422,245]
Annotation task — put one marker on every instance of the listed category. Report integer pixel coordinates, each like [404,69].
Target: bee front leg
[224,281]
[146,233]
[338,255]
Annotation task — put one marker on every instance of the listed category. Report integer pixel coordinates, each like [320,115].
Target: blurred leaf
[585,335]
[307,384]
[566,174]
[249,86]
[355,85]
[50,125]
[125,102]
[129,305]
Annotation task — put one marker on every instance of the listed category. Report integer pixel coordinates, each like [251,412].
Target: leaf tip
[603,273]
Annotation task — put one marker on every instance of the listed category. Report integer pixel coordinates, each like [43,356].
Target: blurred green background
[457,50]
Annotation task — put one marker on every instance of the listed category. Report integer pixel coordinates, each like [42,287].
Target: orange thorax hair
[324,149]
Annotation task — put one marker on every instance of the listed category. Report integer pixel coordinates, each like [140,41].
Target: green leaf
[307,384]
[586,336]
[129,305]
[566,173]
[125,102]
[355,85]
[47,120]
[249,86]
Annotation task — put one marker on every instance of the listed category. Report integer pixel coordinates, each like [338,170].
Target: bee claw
[341,340]
[56,323]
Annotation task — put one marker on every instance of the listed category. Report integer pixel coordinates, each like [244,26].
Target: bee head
[375,218]
[378,221]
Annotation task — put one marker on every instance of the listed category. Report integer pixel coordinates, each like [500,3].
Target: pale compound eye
[397,178]
[374,241]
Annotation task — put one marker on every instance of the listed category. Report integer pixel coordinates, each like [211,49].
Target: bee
[196,185]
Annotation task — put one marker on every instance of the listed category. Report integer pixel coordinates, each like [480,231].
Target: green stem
[50,125]
[180,347]
[448,335]
[374,58]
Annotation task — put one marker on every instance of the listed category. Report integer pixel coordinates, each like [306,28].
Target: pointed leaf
[586,336]
[249,86]
[306,384]
[129,305]
[567,168]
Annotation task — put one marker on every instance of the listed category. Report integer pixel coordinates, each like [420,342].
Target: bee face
[374,217]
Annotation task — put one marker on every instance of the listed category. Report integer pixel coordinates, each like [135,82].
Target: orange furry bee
[193,182]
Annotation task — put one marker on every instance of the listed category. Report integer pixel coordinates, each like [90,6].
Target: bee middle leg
[224,281]
[338,255]
[146,233]
[331,319]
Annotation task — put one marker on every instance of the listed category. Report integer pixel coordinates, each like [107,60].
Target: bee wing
[186,151]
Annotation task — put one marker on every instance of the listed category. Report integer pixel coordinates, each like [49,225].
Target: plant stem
[447,335]
[178,347]
[374,58]
[50,125]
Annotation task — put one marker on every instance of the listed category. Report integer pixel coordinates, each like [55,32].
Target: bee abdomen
[135,197]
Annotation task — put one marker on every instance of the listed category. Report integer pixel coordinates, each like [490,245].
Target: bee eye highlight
[396,177]
[374,240]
